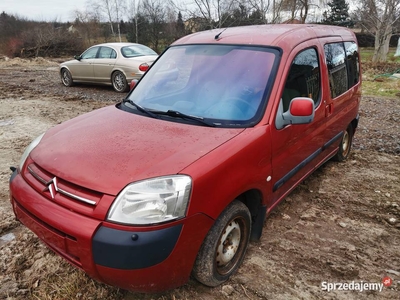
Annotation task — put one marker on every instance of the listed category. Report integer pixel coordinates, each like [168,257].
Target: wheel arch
[253,201]
[65,68]
[117,70]
[354,123]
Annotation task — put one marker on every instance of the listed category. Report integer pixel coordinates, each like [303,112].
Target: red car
[178,178]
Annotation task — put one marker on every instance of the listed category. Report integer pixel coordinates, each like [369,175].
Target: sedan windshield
[227,85]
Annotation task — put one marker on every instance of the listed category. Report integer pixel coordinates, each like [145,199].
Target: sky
[43,10]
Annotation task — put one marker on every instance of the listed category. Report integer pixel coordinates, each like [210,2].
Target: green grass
[386,88]
[368,53]
[376,76]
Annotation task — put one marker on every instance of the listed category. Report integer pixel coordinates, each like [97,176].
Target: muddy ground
[339,226]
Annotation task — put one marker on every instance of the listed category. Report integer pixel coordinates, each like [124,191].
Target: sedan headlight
[152,201]
[28,150]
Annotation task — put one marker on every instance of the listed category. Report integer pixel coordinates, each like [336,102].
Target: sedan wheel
[66,77]
[119,82]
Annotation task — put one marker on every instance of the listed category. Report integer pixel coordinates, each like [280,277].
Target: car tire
[66,77]
[224,247]
[119,82]
[345,145]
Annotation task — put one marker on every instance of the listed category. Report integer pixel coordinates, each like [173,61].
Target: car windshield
[225,84]
[136,50]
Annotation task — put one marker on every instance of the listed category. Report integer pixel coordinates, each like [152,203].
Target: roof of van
[271,34]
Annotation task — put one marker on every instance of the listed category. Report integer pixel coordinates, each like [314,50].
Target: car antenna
[217,36]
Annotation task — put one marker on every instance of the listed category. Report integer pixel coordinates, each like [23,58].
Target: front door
[296,149]
[83,70]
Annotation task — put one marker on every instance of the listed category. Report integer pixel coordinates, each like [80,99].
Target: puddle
[10,236]
[4,239]
[6,122]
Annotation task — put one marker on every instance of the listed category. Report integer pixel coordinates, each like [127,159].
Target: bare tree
[133,13]
[262,6]
[300,8]
[87,23]
[111,10]
[213,13]
[155,12]
[379,17]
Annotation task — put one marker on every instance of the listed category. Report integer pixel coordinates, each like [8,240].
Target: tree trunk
[382,39]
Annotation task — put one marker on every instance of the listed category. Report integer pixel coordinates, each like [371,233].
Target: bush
[368,40]
[46,41]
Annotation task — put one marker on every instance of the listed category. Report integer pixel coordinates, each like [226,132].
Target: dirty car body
[178,178]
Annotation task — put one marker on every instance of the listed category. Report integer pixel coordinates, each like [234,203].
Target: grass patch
[386,87]
[376,76]
[367,54]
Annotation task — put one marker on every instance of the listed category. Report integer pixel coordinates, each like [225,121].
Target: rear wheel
[119,82]
[66,77]
[225,245]
[345,145]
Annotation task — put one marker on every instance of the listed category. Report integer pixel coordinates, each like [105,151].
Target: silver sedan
[115,64]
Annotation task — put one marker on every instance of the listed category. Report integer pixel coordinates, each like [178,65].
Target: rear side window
[353,64]
[106,52]
[343,66]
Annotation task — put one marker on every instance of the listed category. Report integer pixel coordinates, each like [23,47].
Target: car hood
[108,148]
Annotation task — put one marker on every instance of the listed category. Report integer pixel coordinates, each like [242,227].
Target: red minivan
[176,179]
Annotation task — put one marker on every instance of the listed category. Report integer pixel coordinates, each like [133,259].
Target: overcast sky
[43,10]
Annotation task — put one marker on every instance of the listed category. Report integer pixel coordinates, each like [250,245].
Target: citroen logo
[51,186]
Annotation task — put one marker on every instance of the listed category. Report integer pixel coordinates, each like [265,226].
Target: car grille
[59,190]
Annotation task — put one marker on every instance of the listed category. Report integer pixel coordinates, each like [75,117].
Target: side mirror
[133,84]
[301,111]
[77,57]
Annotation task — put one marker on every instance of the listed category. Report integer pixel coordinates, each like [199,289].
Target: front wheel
[345,145]
[66,78]
[224,247]
[119,82]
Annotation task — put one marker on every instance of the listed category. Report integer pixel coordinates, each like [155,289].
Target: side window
[303,79]
[335,56]
[106,52]
[90,53]
[353,64]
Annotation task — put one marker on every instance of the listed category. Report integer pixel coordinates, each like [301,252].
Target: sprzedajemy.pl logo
[359,286]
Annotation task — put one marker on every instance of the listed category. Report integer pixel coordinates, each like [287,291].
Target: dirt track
[341,225]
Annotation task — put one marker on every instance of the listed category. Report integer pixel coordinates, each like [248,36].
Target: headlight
[28,150]
[152,201]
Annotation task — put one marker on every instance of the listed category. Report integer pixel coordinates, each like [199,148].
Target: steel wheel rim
[229,246]
[346,143]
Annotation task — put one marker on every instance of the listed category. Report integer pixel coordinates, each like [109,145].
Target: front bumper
[143,259]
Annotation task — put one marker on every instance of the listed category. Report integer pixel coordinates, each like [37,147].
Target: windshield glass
[227,84]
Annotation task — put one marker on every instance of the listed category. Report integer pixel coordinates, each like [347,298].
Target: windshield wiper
[178,114]
[142,109]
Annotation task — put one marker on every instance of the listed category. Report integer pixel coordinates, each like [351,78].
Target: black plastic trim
[296,169]
[332,141]
[14,173]
[128,250]
[258,223]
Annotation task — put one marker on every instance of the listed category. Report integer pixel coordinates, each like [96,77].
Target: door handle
[328,109]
